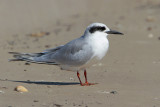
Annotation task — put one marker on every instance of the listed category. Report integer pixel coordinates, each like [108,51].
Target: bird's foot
[88,84]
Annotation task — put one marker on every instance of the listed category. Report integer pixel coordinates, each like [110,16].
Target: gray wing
[53,49]
[74,53]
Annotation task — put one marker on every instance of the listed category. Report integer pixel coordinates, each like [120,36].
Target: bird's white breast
[100,45]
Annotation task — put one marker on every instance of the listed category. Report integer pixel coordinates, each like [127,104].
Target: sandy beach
[128,76]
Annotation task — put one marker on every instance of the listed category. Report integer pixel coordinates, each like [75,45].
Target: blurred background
[131,67]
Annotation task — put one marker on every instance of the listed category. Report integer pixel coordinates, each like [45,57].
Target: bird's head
[100,29]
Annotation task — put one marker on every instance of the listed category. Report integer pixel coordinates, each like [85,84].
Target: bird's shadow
[45,82]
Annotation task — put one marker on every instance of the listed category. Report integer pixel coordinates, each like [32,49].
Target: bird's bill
[114,32]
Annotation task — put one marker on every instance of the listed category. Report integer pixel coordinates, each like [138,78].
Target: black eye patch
[96,28]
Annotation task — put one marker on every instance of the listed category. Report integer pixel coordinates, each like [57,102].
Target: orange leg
[86,82]
[78,75]
[85,74]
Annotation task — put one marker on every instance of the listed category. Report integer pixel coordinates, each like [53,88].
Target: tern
[76,55]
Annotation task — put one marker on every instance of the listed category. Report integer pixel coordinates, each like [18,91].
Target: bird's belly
[82,67]
[93,61]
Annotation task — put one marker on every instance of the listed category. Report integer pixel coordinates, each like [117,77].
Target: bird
[76,55]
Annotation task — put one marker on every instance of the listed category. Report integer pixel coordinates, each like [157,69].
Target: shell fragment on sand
[21,89]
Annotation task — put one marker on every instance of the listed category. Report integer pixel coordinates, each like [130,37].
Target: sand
[128,76]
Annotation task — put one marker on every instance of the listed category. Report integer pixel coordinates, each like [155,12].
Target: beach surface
[128,76]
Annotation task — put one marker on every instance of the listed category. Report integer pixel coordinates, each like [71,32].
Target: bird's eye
[103,28]
[97,28]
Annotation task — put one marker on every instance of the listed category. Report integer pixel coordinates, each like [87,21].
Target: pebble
[150,19]
[71,78]
[150,35]
[113,92]
[40,34]
[57,105]
[47,46]
[48,86]
[35,101]
[27,63]
[104,92]
[1,91]
[149,28]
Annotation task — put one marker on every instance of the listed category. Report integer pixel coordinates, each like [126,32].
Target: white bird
[77,54]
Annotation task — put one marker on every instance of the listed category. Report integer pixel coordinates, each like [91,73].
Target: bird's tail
[24,56]
[30,57]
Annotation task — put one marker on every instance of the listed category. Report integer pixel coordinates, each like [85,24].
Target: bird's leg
[78,75]
[85,74]
[86,82]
